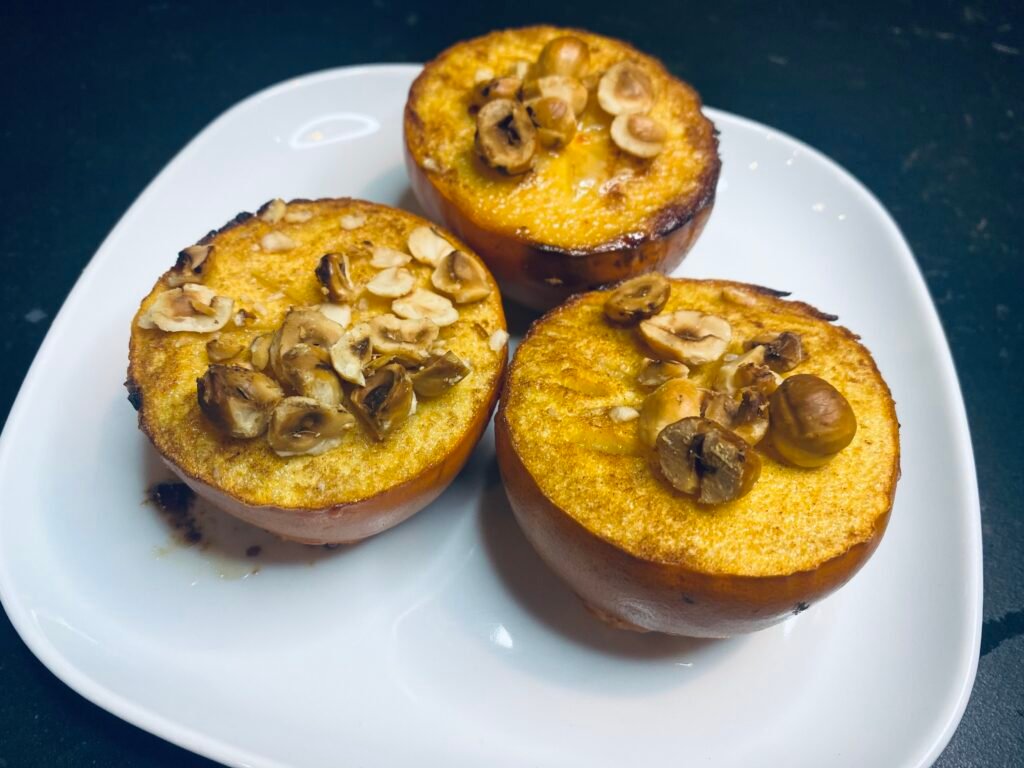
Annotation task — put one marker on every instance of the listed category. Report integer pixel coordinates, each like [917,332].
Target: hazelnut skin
[810,421]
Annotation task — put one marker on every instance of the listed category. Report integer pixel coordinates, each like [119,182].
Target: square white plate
[445,641]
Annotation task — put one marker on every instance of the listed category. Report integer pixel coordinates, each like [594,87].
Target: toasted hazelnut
[338,313]
[189,266]
[568,89]
[687,336]
[391,283]
[302,326]
[638,298]
[747,370]
[654,373]
[384,258]
[194,257]
[427,246]
[335,276]
[440,374]
[623,413]
[306,370]
[392,335]
[705,460]
[625,89]
[386,400]
[301,426]
[426,304]
[744,412]
[810,421]
[273,211]
[352,352]
[555,121]
[674,400]
[220,349]
[782,351]
[461,277]
[191,307]
[259,351]
[496,88]
[352,221]
[566,55]
[505,136]
[238,401]
[275,242]
[639,135]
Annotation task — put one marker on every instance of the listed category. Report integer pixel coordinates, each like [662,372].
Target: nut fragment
[422,303]
[273,211]
[259,351]
[705,460]
[496,88]
[555,121]
[565,55]
[189,266]
[782,351]
[427,246]
[302,326]
[810,421]
[386,400]
[625,89]
[391,335]
[638,298]
[461,277]
[654,373]
[439,375]
[688,336]
[497,340]
[306,370]
[352,221]
[747,370]
[191,307]
[275,242]
[639,135]
[623,413]
[338,313]
[745,412]
[300,426]
[391,283]
[352,352]
[335,276]
[568,89]
[237,400]
[505,136]
[384,257]
[298,215]
[674,400]
[220,349]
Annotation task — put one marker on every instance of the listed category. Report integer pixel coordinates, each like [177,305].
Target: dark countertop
[922,102]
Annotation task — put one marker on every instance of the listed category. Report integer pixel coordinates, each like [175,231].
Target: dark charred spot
[800,608]
[253,551]
[134,394]
[375,398]
[174,502]
[689,600]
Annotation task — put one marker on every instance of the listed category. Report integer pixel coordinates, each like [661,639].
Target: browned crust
[676,597]
[661,245]
[339,523]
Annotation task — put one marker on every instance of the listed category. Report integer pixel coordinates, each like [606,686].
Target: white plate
[445,641]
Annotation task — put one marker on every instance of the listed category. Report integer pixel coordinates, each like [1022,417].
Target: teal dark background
[921,101]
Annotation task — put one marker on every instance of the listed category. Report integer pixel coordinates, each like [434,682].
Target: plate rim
[219,750]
